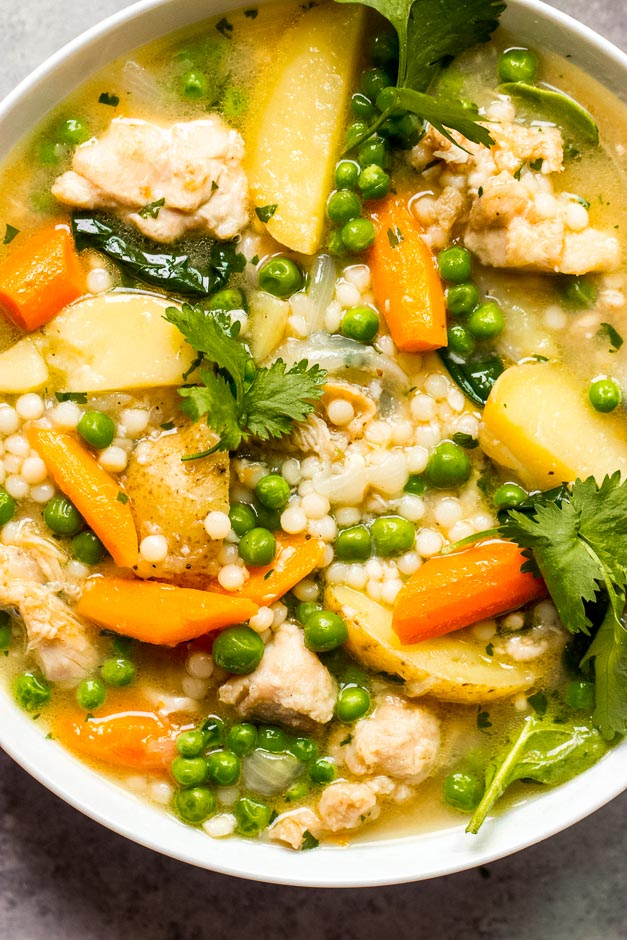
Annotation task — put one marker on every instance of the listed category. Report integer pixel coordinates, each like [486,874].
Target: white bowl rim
[389,861]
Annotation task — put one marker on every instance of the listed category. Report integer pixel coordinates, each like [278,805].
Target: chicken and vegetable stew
[313,440]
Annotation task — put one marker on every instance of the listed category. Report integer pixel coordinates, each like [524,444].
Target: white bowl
[391,861]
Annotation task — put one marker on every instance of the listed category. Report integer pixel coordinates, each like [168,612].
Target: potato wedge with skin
[453,668]
[113,341]
[539,423]
[298,124]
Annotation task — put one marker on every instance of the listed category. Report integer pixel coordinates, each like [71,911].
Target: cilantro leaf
[277,397]
[309,841]
[616,340]
[609,651]
[214,399]
[443,113]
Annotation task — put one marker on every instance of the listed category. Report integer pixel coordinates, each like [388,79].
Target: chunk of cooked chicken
[63,645]
[291,827]
[505,200]
[290,685]
[345,805]
[171,497]
[195,167]
[399,740]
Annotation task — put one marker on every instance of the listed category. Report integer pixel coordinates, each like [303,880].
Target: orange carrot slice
[97,496]
[453,591]
[40,277]
[405,280]
[140,740]
[159,613]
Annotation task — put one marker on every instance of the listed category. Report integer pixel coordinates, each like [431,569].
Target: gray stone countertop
[63,877]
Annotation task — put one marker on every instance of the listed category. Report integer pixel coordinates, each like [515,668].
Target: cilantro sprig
[579,546]
[238,399]
[431,33]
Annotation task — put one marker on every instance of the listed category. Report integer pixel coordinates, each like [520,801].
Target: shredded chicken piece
[290,685]
[311,436]
[503,201]
[62,643]
[345,805]
[195,167]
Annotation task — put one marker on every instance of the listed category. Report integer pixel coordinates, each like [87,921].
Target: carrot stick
[405,280]
[96,495]
[159,613]
[135,739]
[296,558]
[40,277]
[453,591]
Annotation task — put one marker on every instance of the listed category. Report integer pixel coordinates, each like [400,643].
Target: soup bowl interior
[362,863]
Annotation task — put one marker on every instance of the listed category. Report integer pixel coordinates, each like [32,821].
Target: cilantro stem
[470,540]
[203,453]
[374,127]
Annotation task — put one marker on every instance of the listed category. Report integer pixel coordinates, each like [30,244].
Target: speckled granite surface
[63,877]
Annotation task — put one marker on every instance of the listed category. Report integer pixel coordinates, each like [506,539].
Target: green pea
[392,535]
[346,174]
[416,485]
[353,703]
[238,650]
[87,548]
[230,298]
[386,101]
[234,103]
[462,298]
[62,517]
[195,84]
[223,768]
[304,749]
[242,518]
[242,739]
[213,730]
[354,132]
[460,341]
[322,770]
[273,491]
[577,292]
[343,206]
[267,518]
[486,321]
[449,465]
[7,506]
[518,65]
[305,610]
[374,150]
[508,496]
[271,738]
[281,277]
[462,791]
[190,743]
[189,771]
[118,671]
[374,182]
[604,395]
[362,107]
[297,792]
[31,691]
[353,544]
[51,152]
[91,694]
[454,264]
[324,630]
[194,805]
[73,131]
[257,547]
[252,816]
[404,131]
[373,80]
[358,235]
[384,49]
[581,695]
[361,324]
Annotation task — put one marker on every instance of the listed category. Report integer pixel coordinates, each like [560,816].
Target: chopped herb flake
[152,210]
[395,236]
[251,14]
[112,100]
[122,498]
[309,841]
[10,233]
[465,440]
[536,165]
[483,719]
[225,28]
[79,398]
[616,340]
[265,213]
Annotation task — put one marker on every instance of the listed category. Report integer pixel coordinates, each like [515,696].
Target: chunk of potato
[171,497]
[453,668]
[22,368]
[268,322]
[298,123]
[538,422]
[117,340]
